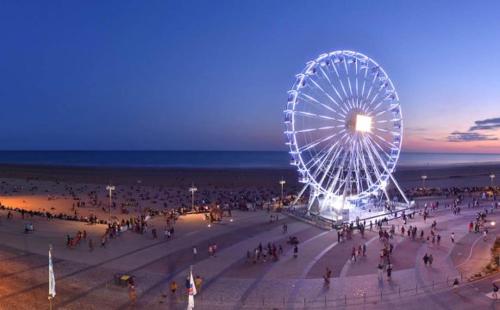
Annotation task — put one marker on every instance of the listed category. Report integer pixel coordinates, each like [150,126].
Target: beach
[81,191]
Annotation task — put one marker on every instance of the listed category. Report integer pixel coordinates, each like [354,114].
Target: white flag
[52,279]
[191,291]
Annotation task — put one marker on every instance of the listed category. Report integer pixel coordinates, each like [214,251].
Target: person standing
[452,237]
[295,251]
[173,288]
[132,294]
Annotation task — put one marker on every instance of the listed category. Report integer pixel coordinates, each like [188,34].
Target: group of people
[261,253]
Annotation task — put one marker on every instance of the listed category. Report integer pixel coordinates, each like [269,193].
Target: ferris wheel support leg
[399,188]
[300,194]
[386,195]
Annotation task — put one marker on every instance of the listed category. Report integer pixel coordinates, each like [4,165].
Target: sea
[212,159]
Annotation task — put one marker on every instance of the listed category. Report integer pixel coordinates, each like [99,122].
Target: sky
[213,75]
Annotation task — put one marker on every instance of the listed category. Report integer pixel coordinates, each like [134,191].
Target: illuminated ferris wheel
[344,128]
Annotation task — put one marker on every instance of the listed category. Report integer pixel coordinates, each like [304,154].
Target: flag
[191,291]
[52,280]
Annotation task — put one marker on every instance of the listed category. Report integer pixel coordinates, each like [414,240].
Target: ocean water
[209,159]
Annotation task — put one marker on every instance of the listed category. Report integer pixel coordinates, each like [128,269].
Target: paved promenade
[230,281]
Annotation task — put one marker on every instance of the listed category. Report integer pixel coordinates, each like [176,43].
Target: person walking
[452,237]
[295,251]
[425,259]
[494,294]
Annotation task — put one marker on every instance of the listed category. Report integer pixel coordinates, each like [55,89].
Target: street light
[192,189]
[492,177]
[282,183]
[424,177]
[110,189]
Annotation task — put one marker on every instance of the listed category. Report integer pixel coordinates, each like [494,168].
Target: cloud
[486,124]
[457,136]
[416,129]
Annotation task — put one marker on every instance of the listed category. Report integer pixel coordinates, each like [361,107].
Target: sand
[58,189]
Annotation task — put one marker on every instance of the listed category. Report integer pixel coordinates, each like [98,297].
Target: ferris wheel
[344,128]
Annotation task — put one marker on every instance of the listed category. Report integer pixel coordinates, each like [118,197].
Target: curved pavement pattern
[84,279]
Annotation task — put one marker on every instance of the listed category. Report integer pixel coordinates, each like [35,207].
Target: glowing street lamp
[492,177]
[192,189]
[424,177]
[282,183]
[110,189]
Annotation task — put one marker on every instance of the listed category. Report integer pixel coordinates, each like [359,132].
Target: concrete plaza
[84,278]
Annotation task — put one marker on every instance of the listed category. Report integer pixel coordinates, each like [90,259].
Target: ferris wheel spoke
[368,174]
[335,179]
[347,77]
[371,87]
[308,114]
[325,93]
[384,140]
[377,156]
[317,142]
[332,161]
[380,148]
[364,82]
[340,97]
[371,158]
[356,70]
[315,129]
[313,100]
[329,83]
[330,153]
[340,80]
[357,171]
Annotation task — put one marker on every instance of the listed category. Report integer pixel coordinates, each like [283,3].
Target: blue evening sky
[213,75]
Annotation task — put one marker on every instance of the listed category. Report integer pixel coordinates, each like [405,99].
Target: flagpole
[52,285]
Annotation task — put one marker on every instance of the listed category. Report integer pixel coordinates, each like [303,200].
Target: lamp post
[192,189]
[282,183]
[492,177]
[110,189]
[424,177]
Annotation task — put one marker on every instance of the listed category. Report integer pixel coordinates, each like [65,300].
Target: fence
[393,295]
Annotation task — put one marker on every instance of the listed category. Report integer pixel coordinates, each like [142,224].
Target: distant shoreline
[215,160]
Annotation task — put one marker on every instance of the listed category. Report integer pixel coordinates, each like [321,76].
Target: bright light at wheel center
[363,123]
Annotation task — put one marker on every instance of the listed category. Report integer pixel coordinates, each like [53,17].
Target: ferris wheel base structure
[338,209]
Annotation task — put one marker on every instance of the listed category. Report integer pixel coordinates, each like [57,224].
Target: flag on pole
[52,279]
[191,290]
